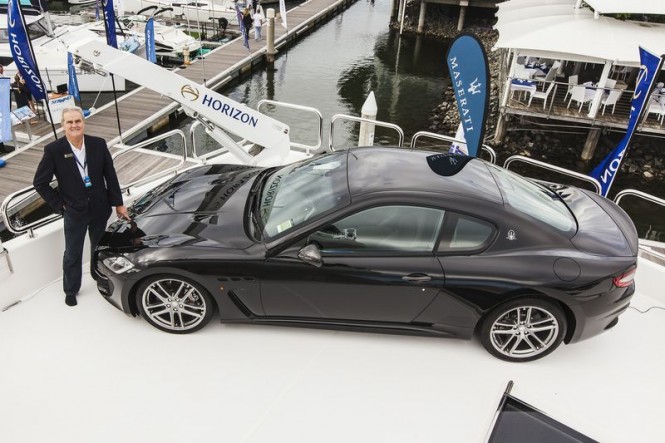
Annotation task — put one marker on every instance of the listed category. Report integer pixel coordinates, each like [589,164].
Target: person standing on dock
[258,23]
[87,188]
[246,21]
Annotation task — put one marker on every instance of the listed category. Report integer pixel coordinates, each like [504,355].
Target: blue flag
[21,53]
[5,116]
[109,23]
[241,24]
[150,51]
[73,86]
[607,170]
[467,64]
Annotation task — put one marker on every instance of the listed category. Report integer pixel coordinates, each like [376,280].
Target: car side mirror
[311,255]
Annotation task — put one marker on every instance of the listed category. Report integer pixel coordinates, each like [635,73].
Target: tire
[523,330]
[174,304]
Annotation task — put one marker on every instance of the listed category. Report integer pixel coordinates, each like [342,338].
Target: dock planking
[141,108]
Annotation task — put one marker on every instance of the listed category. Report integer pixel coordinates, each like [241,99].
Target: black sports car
[380,239]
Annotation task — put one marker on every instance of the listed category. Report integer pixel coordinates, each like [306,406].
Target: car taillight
[624,280]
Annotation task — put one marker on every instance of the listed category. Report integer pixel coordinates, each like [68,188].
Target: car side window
[380,229]
[466,233]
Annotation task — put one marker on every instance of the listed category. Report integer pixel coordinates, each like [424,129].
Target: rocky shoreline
[643,168]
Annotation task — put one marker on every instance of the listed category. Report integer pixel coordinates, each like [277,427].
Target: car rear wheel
[174,304]
[523,330]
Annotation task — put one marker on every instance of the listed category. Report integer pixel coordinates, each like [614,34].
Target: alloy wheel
[524,332]
[174,305]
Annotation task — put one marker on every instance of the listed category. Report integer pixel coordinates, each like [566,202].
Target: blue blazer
[72,195]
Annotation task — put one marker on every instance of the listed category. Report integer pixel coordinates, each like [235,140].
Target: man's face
[74,124]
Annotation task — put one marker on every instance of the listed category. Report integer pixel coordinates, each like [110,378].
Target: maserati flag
[150,51]
[5,117]
[467,65]
[21,53]
[73,86]
[607,170]
[109,23]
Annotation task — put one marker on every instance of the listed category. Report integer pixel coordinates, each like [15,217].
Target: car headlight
[118,264]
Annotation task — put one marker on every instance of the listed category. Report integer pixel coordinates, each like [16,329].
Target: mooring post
[421,18]
[590,144]
[462,13]
[368,111]
[270,53]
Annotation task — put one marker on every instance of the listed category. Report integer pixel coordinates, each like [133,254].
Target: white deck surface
[92,374]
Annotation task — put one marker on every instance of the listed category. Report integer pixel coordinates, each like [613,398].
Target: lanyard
[84,165]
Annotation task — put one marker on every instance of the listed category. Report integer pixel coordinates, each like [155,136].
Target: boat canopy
[555,29]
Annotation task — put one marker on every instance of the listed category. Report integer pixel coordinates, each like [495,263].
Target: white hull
[206,11]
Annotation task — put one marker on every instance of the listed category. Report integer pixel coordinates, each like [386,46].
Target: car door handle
[417,278]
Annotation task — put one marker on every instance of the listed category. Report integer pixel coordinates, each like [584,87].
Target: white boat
[92,374]
[81,2]
[51,57]
[196,12]
[170,41]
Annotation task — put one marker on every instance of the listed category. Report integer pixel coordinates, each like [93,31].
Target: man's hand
[121,211]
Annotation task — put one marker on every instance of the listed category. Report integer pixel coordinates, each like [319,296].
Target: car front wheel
[174,304]
[523,330]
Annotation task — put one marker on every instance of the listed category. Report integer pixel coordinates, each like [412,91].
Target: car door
[377,265]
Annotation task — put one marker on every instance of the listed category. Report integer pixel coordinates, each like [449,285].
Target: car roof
[397,169]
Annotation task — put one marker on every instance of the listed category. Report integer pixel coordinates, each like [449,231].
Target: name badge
[69,155]
[87,182]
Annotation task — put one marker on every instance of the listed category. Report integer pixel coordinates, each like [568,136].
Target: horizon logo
[22,62]
[230,111]
[612,168]
[189,92]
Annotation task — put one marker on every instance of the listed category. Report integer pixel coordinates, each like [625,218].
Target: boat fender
[2,163]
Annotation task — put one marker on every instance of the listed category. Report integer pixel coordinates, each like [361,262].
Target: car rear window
[534,200]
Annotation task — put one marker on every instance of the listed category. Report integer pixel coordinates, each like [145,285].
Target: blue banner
[467,65]
[21,53]
[607,170]
[150,51]
[5,109]
[109,23]
[73,85]
[241,24]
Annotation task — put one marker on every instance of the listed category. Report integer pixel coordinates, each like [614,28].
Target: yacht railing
[552,168]
[126,149]
[309,149]
[649,198]
[337,117]
[24,194]
[450,140]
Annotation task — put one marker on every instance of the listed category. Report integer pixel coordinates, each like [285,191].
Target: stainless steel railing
[450,140]
[338,117]
[552,168]
[126,149]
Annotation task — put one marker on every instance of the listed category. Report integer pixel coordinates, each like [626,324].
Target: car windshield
[302,191]
[534,200]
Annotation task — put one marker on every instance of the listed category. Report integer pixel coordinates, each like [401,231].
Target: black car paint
[212,243]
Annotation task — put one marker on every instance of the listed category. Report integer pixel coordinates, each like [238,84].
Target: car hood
[205,207]
[603,227]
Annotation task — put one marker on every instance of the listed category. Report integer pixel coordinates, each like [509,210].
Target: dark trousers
[74,240]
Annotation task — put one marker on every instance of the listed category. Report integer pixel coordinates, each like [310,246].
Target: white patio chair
[541,95]
[613,97]
[657,108]
[549,77]
[572,81]
[579,95]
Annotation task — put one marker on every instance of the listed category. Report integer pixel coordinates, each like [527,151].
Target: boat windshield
[534,200]
[302,191]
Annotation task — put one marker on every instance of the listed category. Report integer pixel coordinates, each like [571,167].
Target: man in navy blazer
[87,188]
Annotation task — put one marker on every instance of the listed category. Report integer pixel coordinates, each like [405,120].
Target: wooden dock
[142,107]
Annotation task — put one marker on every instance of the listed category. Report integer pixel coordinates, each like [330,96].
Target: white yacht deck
[92,374]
